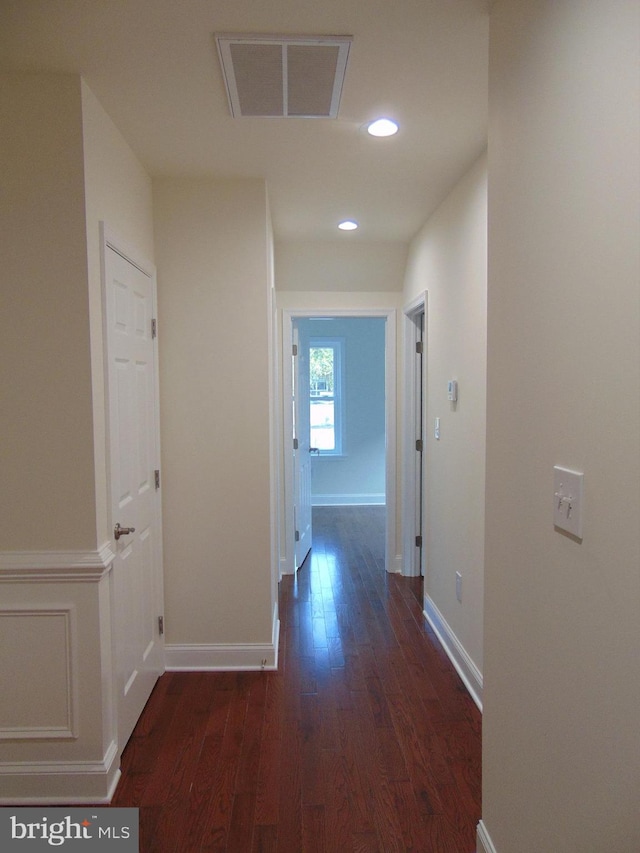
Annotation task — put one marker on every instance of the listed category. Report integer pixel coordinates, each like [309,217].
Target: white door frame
[414,478]
[287,560]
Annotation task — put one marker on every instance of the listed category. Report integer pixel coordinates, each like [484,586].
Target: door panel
[137,584]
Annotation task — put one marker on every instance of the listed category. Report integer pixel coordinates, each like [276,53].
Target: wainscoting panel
[58,738]
[38,657]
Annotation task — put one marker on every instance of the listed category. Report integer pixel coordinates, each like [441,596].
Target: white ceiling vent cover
[283,76]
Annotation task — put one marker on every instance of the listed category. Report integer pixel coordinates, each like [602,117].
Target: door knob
[122,531]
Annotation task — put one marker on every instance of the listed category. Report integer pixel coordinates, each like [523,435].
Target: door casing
[414,506]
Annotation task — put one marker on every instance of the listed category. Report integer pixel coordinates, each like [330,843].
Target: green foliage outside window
[321,369]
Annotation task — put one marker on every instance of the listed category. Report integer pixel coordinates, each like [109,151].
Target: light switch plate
[568,500]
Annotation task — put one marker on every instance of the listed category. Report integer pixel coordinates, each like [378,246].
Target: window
[325,395]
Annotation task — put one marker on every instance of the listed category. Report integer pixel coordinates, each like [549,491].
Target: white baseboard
[485,844]
[60,782]
[395,564]
[220,657]
[286,567]
[348,500]
[224,657]
[466,668]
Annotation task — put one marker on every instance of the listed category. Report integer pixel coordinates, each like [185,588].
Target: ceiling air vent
[283,76]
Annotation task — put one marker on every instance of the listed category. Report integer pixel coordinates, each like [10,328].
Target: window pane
[322,424]
[321,371]
[321,386]
[325,414]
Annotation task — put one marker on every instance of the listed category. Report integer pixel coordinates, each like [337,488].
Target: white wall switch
[436,429]
[567,500]
[459,586]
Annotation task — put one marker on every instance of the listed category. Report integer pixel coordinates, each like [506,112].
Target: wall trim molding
[28,566]
[456,652]
[60,782]
[348,500]
[485,844]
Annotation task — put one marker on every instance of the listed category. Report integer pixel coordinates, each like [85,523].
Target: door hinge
[294,349]
[297,535]
[161,625]
[156,475]
[418,541]
[154,328]
[419,445]
[419,347]
[295,443]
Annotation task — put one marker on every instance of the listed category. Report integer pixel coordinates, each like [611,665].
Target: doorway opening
[339,422]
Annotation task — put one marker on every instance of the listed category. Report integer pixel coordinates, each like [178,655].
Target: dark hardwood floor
[364,739]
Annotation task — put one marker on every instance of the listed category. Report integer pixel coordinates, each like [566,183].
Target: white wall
[346,265]
[561,753]
[65,167]
[47,469]
[213,256]
[118,193]
[448,258]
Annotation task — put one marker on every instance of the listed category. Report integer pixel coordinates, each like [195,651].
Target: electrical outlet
[459,586]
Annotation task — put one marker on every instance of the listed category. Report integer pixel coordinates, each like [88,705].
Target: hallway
[364,740]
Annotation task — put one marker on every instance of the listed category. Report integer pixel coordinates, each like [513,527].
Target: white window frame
[337,344]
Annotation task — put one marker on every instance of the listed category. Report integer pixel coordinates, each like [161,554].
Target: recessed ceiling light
[382,127]
[348,225]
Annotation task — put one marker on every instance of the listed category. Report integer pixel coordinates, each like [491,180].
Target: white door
[301,448]
[135,502]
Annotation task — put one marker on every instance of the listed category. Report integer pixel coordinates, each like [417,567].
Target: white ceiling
[154,67]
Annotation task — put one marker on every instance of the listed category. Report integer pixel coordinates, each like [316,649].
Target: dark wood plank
[270,766]
[365,740]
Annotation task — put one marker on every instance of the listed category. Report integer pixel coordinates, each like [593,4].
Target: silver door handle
[122,531]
